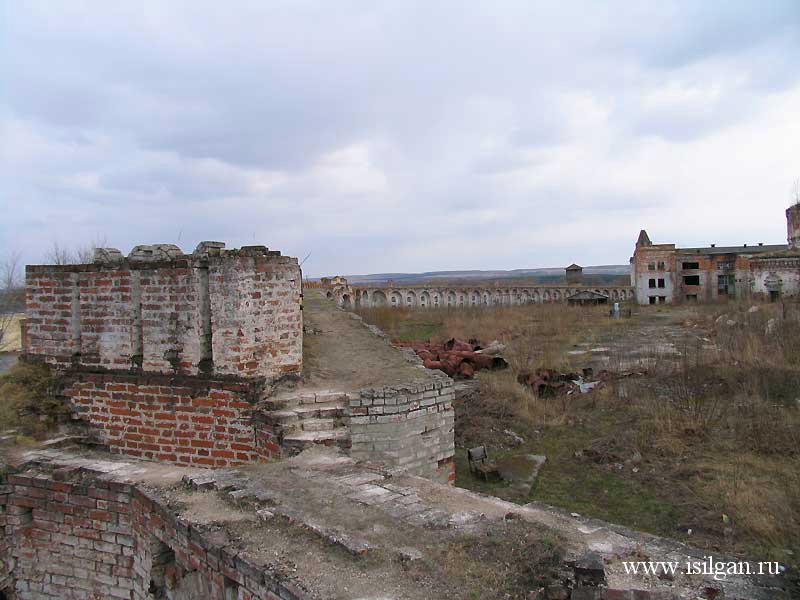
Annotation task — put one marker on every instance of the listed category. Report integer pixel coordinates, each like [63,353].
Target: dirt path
[340,353]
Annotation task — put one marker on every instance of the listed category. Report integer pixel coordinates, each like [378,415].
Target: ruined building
[574,273]
[479,294]
[665,274]
[167,354]
[195,360]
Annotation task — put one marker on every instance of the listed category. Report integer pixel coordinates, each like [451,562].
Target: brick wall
[172,319]
[662,257]
[175,555]
[69,534]
[793,226]
[67,539]
[51,327]
[256,319]
[6,560]
[230,312]
[407,426]
[192,421]
[764,272]
[106,329]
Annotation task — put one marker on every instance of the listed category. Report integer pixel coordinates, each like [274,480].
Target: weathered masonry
[196,359]
[166,354]
[461,296]
[75,533]
[215,312]
[407,426]
[663,273]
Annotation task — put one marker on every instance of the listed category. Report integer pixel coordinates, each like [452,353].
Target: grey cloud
[181,107]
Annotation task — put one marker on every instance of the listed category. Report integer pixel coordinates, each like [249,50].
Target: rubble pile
[548,383]
[458,358]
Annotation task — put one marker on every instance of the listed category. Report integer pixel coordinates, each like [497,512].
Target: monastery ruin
[234,446]
[191,359]
[460,296]
[659,274]
[664,274]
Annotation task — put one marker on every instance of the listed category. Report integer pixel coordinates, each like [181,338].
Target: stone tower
[574,273]
[793,226]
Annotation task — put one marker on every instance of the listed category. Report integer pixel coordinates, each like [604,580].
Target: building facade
[666,274]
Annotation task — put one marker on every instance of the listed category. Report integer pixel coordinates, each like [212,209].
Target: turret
[793,226]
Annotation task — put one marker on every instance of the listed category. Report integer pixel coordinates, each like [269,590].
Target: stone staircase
[302,420]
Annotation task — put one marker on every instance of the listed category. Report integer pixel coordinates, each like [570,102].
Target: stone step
[291,415]
[321,410]
[323,396]
[318,425]
[308,399]
[273,404]
[298,441]
[282,417]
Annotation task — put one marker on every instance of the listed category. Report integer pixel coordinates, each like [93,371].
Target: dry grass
[11,341]
[535,334]
[505,562]
[28,400]
[735,420]
[719,431]
[760,497]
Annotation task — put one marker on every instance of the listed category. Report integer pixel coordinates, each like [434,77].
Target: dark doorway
[163,557]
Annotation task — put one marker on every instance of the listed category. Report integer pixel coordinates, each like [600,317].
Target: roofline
[754,249]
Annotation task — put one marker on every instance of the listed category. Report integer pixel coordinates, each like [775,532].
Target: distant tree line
[12,280]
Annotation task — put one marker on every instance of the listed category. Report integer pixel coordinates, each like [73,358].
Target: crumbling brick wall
[661,258]
[175,555]
[225,312]
[67,539]
[255,313]
[190,421]
[793,226]
[408,426]
[105,329]
[167,353]
[172,316]
[6,560]
[778,274]
[69,534]
[51,326]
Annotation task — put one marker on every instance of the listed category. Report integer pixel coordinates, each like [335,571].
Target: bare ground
[340,353]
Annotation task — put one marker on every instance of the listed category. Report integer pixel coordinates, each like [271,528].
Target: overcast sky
[398,136]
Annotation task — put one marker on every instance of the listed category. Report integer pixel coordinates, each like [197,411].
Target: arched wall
[455,297]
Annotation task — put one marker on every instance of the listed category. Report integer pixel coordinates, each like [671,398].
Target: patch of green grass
[596,490]
[310,354]
[465,479]
[410,331]
[579,485]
